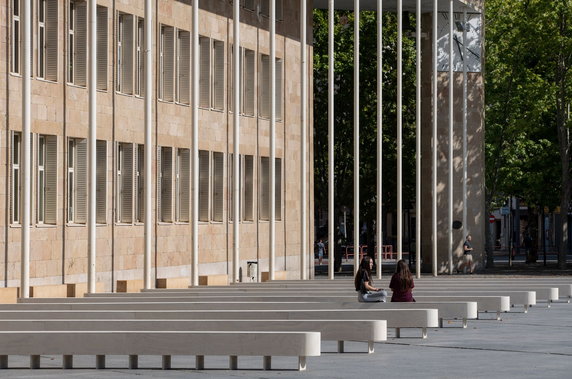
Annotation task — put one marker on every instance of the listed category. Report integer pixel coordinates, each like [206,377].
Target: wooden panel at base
[79,289]
[213,280]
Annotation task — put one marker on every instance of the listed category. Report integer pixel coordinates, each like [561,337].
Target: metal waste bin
[252,270]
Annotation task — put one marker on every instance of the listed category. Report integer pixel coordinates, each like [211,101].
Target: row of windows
[174,58]
[173,183]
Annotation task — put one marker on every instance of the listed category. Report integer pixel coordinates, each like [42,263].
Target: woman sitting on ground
[402,283]
[367,293]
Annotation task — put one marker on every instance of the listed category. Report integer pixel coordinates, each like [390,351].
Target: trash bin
[252,270]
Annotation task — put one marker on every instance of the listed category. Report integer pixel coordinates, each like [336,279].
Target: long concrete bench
[396,318]
[524,298]
[369,331]
[485,304]
[164,343]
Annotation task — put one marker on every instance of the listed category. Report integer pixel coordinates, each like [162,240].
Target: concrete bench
[369,331]
[396,318]
[524,298]
[497,304]
[164,343]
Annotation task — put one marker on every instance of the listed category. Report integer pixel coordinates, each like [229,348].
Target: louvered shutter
[15,178]
[101,185]
[101,48]
[159,170]
[204,185]
[218,75]
[168,52]
[218,186]
[278,189]
[231,79]
[249,77]
[127,54]
[204,72]
[184,67]
[166,184]
[264,84]
[184,168]
[140,61]
[140,183]
[230,187]
[248,187]
[127,184]
[51,179]
[51,40]
[80,41]
[264,188]
[80,184]
[279,89]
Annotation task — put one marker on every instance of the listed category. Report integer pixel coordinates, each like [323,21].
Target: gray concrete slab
[533,345]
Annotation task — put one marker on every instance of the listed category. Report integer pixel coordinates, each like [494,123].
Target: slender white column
[26,140]
[149,150]
[465,226]
[331,237]
[236,143]
[303,142]
[92,147]
[434,150]
[356,136]
[451,121]
[195,151]
[418,143]
[399,128]
[272,223]
[379,215]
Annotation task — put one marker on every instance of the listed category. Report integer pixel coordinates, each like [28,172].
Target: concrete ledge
[9,295]
[213,280]
[278,275]
[133,285]
[53,290]
[172,282]
[80,289]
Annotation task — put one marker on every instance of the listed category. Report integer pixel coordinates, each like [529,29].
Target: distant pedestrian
[402,283]
[467,256]
[321,249]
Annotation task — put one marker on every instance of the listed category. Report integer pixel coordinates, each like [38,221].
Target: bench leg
[370,347]
[440,322]
[525,308]
[34,361]
[267,362]
[3,361]
[200,362]
[133,362]
[397,332]
[568,301]
[464,323]
[498,316]
[100,362]
[340,346]
[424,332]
[548,303]
[67,361]
[301,363]
[233,362]
[166,362]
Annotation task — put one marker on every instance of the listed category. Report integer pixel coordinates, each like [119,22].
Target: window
[204,179]
[218,186]
[279,94]
[264,188]
[265,87]
[47,29]
[140,178]
[16,40]
[124,195]
[101,184]
[248,83]
[167,63]
[165,182]
[183,66]
[218,75]
[77,180]
[47,179]
[124,81]
[248,4]
[15,178]
[77,43]
[265,8]
[204,72]
[278,189]
[231,186]
[248,188]
[102,48]
[182,183]
[140,58]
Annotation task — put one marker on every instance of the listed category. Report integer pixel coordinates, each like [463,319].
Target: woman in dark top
[364,284]
[402,283]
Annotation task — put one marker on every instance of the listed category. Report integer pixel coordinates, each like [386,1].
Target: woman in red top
[402,283]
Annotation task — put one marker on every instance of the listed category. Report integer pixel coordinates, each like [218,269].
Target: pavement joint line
[480,349]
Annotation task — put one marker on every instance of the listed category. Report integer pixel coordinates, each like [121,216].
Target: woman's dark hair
[402,270]
[363,267]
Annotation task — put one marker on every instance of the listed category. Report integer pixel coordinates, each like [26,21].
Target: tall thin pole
[356,136]
[331,237]
[195,147]
[465,226]
[379,216]
[149,150]
[418,143]
[303,141]
[92,147]
[272,239]
[434,150]
[451,93]
[399,129]
[26,139]
[236,143]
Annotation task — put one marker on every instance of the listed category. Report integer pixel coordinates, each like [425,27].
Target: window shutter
[80,41]
[231,79]
[184,67]
[101,48]
[140,183]
[264,187]
[230,176]
[51,40]
[204,185]
[248,82]
[101,185]
[265,87]
[140,58]
[159,170]
[127,184]
[218,84]
[168,51]
[218,186]
[166,184]
[15,178]
[248,187]
[127,54]
[80,184]
[204,72]
[278,190]
[184,171]
[279,90]
[51,179]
